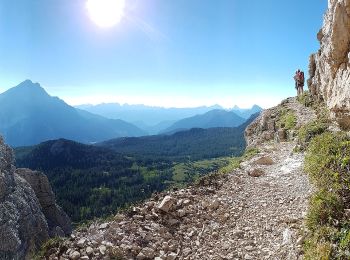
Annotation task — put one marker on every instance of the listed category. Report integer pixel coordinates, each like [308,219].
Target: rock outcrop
[23,226]
[268,127]
[329,68]
[57,220]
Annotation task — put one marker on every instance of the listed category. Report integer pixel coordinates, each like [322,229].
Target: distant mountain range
[196,143]
[246,112]
[155,120]
[28,115]
[211,119]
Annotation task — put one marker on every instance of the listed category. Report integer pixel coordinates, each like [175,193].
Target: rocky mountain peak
[25,91]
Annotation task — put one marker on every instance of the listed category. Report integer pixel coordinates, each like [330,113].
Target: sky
[181,53]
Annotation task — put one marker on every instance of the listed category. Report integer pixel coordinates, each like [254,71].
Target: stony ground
[256,212]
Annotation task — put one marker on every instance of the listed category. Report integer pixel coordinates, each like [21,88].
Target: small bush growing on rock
[250,152]
[287,120]
[234,163]
[305,99]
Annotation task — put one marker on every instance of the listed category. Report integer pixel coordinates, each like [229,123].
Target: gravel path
[265,213]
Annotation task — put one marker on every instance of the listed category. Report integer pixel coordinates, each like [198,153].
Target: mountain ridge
[147,117]
[210,119]
[29,115]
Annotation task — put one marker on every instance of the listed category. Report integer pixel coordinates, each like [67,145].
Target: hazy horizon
[133,104]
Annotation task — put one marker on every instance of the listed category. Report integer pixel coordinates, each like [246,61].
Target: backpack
[302,79]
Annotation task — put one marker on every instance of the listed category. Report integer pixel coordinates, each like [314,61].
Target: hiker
[299,81]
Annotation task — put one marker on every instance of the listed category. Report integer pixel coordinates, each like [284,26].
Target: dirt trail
[266,212]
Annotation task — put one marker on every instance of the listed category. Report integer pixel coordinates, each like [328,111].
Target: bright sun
[106,13]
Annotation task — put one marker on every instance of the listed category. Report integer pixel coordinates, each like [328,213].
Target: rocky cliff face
[329,68]
[23,225]
[57,220]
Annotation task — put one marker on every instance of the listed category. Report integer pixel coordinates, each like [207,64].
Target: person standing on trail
[299,81]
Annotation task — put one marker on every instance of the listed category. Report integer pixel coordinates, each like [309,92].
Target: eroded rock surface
[22,224]
[266,127]
[329,68]
[58,221]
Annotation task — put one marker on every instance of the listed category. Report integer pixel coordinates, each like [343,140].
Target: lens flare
[106,13]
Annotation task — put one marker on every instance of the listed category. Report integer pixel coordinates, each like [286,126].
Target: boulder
[74,255]
[166,204]
[265,160]
[256,172]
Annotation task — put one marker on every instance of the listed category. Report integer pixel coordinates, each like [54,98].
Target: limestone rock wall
[329,68]
[23,224]
[57,220]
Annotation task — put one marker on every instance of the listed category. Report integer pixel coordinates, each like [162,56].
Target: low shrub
[310,130]
[305,99]
[325,209]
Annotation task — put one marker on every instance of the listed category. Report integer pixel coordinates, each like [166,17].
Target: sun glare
[106,13]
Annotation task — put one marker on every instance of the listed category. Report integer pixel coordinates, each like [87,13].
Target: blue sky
[163,52]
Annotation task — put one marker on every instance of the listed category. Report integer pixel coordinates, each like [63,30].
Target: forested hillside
[93,181]
[194,144]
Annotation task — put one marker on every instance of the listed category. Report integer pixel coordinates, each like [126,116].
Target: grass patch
[328,161]
[47,247]
[234,162]
[328,164]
